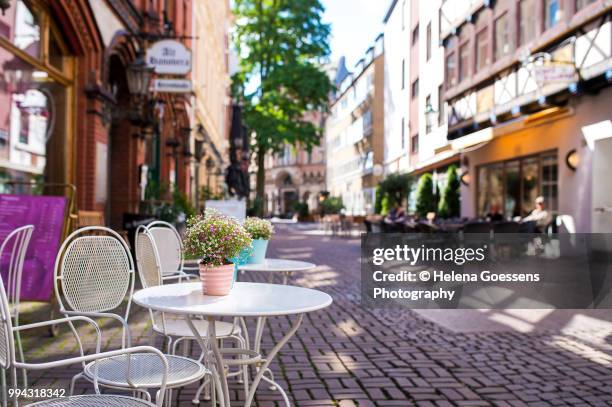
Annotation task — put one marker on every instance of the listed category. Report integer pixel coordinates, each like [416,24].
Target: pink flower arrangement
[215,238]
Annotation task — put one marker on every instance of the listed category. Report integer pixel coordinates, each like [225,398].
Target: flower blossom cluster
[258,228]
[215,238]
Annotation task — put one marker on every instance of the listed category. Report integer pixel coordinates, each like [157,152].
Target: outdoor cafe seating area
[98,276]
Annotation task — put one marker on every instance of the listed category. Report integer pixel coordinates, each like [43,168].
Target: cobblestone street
[346,355]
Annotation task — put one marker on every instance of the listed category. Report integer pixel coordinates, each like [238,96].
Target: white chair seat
[178,327]
[146,370]
[94,400]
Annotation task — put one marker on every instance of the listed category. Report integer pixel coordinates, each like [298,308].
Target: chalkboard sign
[47,214]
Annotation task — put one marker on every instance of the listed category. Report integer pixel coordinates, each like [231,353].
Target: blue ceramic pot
[260,247]
[242,258]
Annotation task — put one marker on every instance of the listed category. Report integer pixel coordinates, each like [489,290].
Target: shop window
[527,31]
[502,36]
[482,49]
[34,82]
[26,31]
[511,187]
[552,13]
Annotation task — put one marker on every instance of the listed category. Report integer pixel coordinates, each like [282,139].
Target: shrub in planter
[450,201]
[214,238]
[425,199]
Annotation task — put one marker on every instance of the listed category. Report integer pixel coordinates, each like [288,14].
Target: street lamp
[430,113]
[139,77]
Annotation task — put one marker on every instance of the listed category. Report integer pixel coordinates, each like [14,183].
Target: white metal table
[278,266]
[258,300]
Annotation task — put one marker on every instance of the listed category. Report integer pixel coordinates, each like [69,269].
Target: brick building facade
[63,70]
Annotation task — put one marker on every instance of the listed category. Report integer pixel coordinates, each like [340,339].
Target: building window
[403,134]
[450,69]
[552,13]
[441,109]
[403,73]
[583,3]
[482,49]
[511,187]
[414,144]
[464,61]
[428,120]
[527,30]
[403,15]
[415,88]
[428,45]
[415,35]
[502,36]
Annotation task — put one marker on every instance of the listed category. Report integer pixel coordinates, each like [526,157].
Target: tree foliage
[280,44]
[450,201]
[425,199]
[392,191]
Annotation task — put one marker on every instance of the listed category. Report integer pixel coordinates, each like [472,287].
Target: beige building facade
[355,133]
[211,102]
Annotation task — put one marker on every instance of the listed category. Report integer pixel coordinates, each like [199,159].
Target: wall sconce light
[572,159]
[465,178]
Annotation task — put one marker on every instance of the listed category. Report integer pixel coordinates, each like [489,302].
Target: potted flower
[215,238]
[260,231]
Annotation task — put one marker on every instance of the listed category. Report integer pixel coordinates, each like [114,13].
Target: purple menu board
[46,213]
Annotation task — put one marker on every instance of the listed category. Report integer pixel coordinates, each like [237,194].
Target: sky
[355,26]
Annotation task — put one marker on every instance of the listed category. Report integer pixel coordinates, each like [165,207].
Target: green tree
[280,44]
[425,199]
[450,203]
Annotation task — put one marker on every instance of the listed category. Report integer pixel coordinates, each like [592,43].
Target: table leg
[286,275]
[217,369]
[270,356]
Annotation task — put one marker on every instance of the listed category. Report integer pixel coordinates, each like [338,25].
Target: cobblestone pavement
[346,355]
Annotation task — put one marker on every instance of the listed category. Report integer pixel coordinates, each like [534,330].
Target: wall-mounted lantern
[572,159]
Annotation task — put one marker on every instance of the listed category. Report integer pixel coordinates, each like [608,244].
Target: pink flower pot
[216,280]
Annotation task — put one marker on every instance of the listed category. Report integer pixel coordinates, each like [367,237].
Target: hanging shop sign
[172,85]
[554,72]
[169,57]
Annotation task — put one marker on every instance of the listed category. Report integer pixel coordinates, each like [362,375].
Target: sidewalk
[349,356]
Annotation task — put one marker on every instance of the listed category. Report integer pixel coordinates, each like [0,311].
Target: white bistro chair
[15,246]
[94,275]
[175,328]
[170,248]
[8,361]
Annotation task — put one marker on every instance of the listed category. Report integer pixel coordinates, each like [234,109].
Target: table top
[278,265]
[244,300]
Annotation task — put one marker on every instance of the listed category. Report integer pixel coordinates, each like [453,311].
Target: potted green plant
[260,231]
[214,239]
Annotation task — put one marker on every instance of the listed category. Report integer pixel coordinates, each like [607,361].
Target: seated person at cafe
[539,218]
[397,215]
[494,214]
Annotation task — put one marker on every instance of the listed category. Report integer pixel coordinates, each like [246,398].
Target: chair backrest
[7,345]
[95,270]
[566,221]
[15,245]
[169,246]
[147,259]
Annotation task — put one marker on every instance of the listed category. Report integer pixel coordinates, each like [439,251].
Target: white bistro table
[278,266]
[258,300]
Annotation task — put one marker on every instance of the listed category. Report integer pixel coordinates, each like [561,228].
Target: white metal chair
[94,275]
[174,328]
[15,245]
[8,362]
[170,249]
